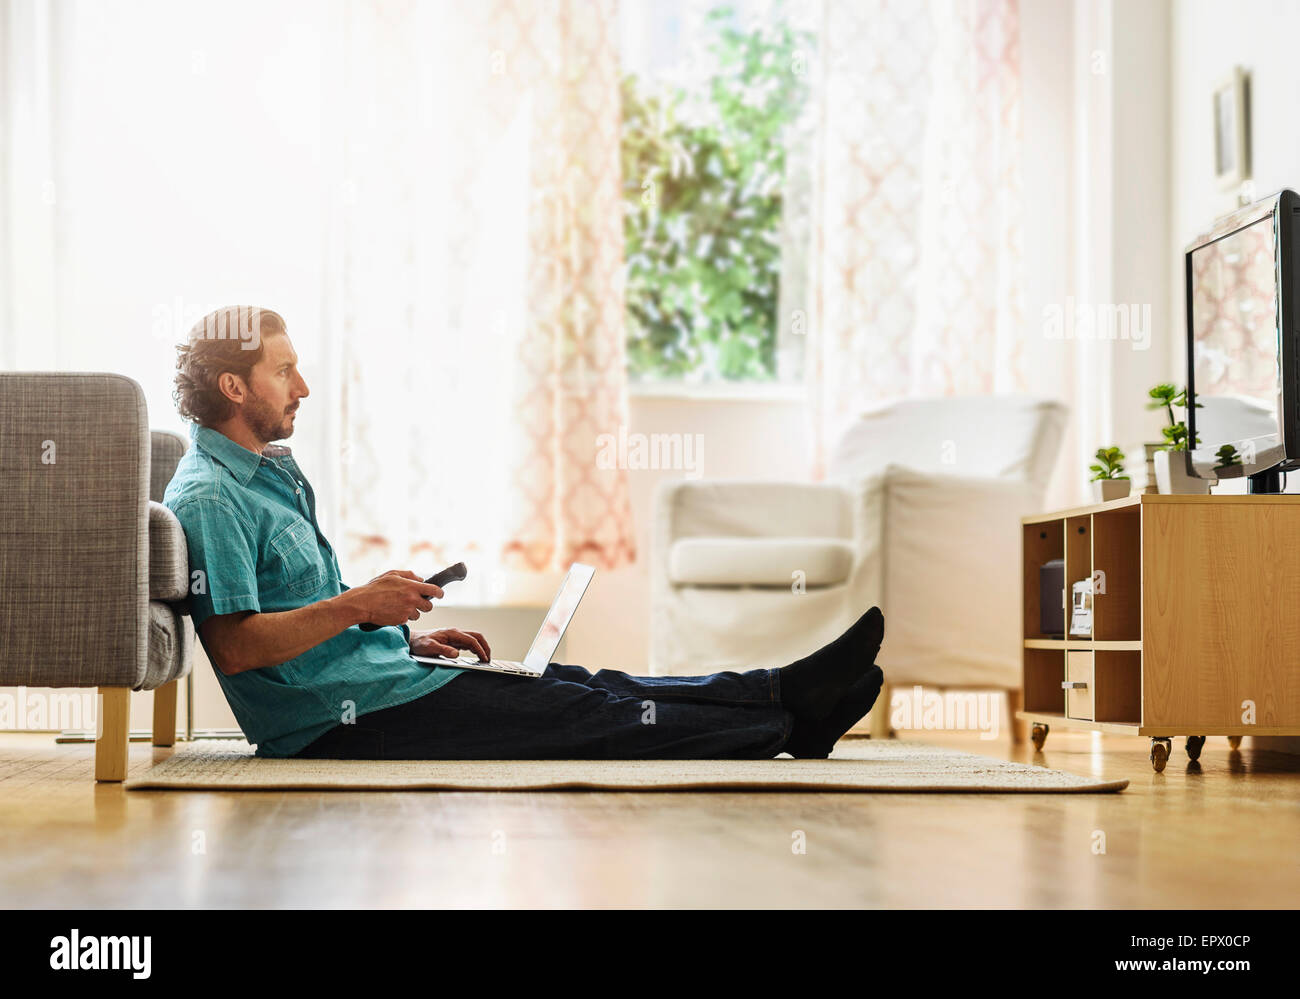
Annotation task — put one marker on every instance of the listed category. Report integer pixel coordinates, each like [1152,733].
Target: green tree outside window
[703,177]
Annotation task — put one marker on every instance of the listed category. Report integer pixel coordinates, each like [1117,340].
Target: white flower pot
[1172,477]
[1104,490]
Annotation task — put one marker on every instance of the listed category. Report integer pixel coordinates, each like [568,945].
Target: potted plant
[1171,460]
[1108,479]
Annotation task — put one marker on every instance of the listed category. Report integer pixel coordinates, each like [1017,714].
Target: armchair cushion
[169,559]
[759,561]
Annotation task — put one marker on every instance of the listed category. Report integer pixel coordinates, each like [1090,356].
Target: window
[716,148]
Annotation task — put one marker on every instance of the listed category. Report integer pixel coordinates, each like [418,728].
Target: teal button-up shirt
[255,545]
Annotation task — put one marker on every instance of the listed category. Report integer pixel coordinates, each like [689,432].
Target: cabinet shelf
[1191,616]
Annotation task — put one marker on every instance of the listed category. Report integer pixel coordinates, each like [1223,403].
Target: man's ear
[232,387]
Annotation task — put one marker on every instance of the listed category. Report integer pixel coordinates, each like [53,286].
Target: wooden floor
[1220,834]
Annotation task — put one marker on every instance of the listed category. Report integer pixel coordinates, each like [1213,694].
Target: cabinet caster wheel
[1195,743]
[1039,735]
[1160,753]
[1234,741]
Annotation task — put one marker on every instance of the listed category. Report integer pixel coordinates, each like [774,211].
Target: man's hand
[448,642]
[396,597]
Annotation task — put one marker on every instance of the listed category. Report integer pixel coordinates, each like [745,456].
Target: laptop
[548,637]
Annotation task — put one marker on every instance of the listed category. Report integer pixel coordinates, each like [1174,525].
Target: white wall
[1140,157]
[1096,110]
[1210,37]
[1046,40]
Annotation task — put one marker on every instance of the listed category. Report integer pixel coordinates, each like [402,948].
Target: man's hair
[229,339]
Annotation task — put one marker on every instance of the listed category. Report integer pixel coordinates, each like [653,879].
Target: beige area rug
[859,765]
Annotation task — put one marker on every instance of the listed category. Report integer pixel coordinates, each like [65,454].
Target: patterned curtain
[477,246]
[917,233]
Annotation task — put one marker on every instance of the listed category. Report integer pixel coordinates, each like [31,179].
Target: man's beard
[266,421]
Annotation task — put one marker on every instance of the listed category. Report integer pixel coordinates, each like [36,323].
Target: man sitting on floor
[304,680]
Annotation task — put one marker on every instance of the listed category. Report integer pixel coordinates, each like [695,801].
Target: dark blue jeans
[569,713]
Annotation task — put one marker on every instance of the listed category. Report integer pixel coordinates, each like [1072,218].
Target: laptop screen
[557,618]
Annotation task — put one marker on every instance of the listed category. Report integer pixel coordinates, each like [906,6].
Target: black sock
[811,687]
[815,740]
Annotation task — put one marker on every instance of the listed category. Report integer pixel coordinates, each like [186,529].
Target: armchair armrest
[952,577]
[169,558]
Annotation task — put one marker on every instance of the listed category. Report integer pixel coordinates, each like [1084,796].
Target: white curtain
[475,291]
[29,184]
[428,192]
[159,160]
[917,229]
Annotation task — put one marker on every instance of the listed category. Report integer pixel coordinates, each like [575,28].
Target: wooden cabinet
[1195,625]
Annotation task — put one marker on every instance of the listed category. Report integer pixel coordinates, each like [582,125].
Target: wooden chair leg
[114,735]
[164,714]
[879,714]
[1019,727]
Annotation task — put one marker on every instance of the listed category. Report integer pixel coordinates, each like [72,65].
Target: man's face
[274,388]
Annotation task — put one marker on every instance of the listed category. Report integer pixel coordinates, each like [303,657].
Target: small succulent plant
[1110,464]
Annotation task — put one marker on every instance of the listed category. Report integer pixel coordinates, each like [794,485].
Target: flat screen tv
[1243,345]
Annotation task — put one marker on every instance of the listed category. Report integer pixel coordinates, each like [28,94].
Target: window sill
[720,391]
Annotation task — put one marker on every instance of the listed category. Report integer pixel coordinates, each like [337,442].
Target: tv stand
[1195,629]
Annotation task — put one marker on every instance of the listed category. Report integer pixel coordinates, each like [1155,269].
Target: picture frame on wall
[1232,130]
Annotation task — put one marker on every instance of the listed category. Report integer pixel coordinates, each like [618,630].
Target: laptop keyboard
[505,664]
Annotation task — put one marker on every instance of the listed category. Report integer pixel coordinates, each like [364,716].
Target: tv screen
[1236,343]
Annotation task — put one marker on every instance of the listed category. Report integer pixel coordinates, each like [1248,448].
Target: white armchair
[920,515]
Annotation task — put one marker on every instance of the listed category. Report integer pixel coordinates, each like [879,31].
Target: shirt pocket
[302,569]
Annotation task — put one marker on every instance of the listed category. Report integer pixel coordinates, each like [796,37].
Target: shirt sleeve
[223,562]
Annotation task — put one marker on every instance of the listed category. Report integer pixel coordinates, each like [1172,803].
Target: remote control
[451,574]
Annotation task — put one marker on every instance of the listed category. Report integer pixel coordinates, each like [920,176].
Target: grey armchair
[94,573]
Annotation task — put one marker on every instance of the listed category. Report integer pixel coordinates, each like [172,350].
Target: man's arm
[254,640]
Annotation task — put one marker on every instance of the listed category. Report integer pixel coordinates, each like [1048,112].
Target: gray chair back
[74,544]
